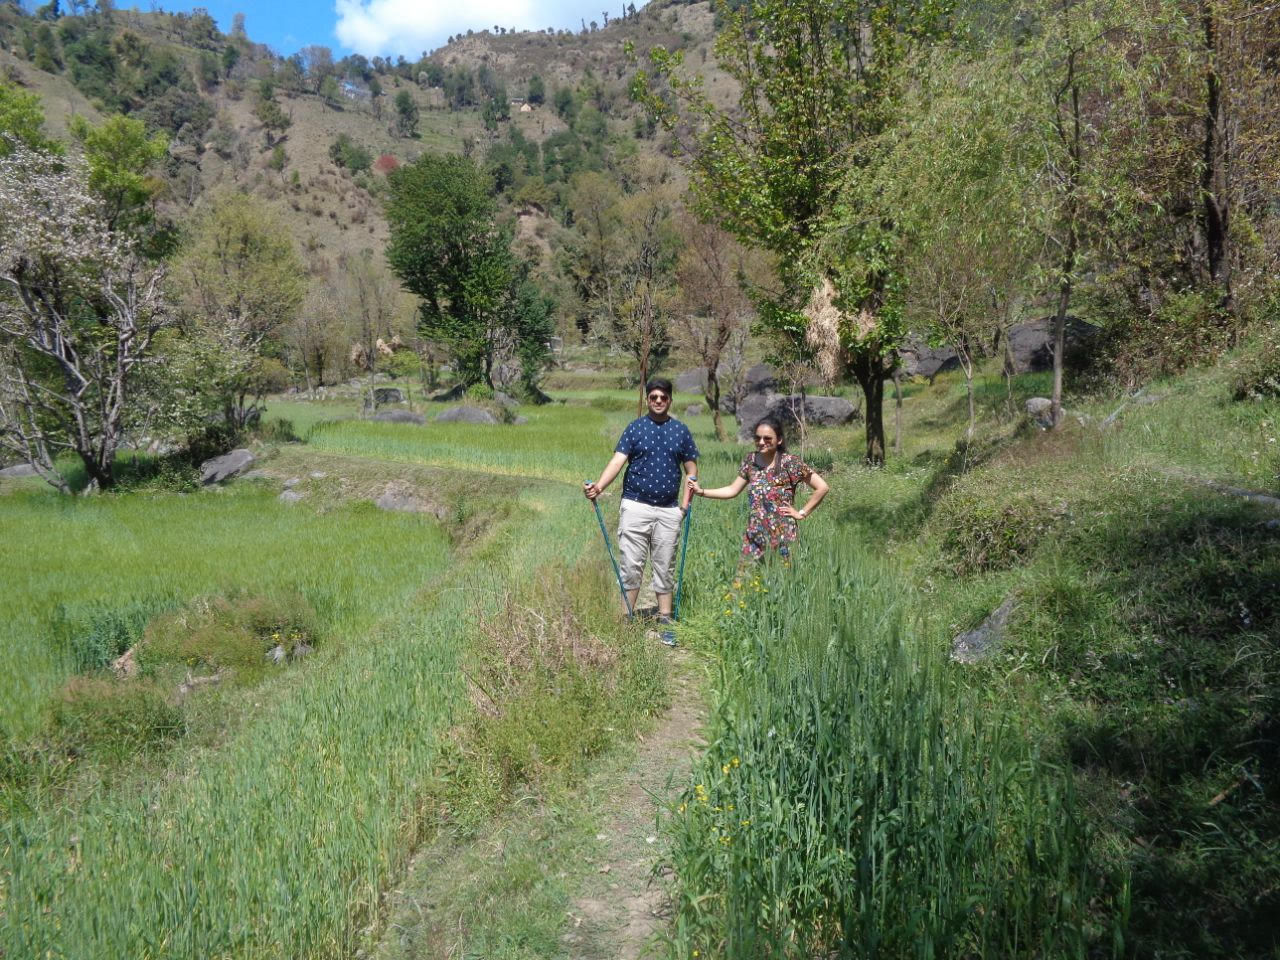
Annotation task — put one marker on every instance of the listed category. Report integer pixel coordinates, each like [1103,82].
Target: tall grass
[857,800]
[82,576]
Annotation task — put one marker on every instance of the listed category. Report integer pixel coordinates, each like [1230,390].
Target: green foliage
[112,720]
[346,153]
[22,120]
[234,632]
[446,248]
[273,119]
[120,156]
[1257,367]
[406,114]
[537,90]
[978,535]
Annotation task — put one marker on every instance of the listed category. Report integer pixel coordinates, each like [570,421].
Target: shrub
[235,632]
[981,532]
[98,715]
[347,154]
[1257,367]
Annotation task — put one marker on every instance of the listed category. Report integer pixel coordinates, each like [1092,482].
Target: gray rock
[692,381]
[505,399]
[918,359]
[292,482]
[20,470]
[398,416]
[317,475]
[694,410]
[290,496]
[276,654]
[761,378]
[1040,410]
[976,645]
[505,374]
[1031,343]
[519,421]
[219,469]
[385,395]
[256,475]
[466,415]
[448,396]
[791,409]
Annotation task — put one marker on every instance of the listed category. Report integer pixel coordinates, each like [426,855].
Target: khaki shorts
[647,532]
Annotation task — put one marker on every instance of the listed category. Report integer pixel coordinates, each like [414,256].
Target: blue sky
[388,27]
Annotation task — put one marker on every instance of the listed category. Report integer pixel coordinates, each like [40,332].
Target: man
[654,500]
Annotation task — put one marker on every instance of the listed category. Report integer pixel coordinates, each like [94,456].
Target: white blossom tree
[79,313]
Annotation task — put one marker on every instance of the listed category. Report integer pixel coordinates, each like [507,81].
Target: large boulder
[1031,343]
[761,378]
[219,469]
[466,414]
[385,395]
[20,470]
[791,409]
[398,416]
[921,360]
[400,497]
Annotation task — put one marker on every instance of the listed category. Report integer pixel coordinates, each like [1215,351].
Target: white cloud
[381,27]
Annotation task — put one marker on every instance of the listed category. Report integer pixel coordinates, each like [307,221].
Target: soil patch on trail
[622,912]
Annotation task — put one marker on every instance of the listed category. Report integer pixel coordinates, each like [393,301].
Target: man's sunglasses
[658,397]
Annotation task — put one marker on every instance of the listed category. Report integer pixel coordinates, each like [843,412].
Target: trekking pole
[684,552]
[626,601]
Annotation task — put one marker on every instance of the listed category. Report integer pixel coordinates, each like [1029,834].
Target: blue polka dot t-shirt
[655,452]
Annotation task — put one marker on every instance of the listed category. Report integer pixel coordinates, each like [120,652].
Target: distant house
[356,91]
[527,108]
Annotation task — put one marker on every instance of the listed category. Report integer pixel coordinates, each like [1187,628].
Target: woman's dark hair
[774,424]
[659,383]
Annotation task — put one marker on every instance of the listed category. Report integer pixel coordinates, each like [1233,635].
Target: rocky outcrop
[385,395]
[1040,410]
[20,470]
[223,468]
[466,414]
[791,409]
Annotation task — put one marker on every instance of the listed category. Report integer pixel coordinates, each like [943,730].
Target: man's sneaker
[667,634]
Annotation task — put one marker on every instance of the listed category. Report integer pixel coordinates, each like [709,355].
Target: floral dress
[767,490]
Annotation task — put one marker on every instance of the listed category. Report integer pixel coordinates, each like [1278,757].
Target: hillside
[329,211]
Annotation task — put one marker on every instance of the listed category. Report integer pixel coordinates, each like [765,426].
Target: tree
[79,314]
[537,90]
[817,88]
[273,119]
[22,122]
[119,155]
[447,249]
[239,280]
[406,114]
[712,306]
[230,57]
[369,300]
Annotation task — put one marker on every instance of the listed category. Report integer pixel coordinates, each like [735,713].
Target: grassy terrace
[1102,784]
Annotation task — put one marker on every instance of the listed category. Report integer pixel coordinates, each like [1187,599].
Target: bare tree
[712,304]
[79,313]
[371,299]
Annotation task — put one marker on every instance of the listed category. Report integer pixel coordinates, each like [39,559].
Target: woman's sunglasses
[760,439]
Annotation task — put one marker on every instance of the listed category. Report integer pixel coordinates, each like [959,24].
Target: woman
[772,475]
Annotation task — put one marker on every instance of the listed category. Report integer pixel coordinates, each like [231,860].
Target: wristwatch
[801,514]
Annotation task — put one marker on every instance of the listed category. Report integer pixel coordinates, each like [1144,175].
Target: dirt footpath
[622,913]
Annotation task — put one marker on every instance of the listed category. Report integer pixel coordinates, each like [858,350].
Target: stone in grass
[978,644]
[466,415]
[20,470]
[694,410]
[1040,410]
[290,496]
[400,497]
[398,416]
[219,469]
